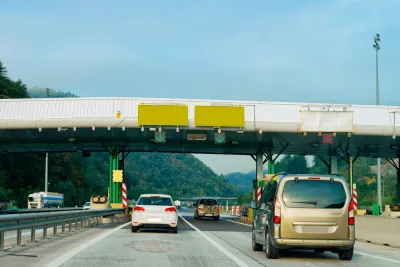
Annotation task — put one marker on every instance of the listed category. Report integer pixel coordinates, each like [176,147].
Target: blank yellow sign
[163,115]
[219,116]
[117,176]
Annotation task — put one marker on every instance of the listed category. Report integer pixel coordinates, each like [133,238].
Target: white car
[155,211]
[86,206]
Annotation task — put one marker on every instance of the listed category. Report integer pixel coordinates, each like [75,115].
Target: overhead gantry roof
[97,124]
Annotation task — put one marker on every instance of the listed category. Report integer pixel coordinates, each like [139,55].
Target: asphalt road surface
[199,243]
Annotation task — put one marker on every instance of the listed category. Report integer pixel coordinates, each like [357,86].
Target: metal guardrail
[20,211]
[32,220]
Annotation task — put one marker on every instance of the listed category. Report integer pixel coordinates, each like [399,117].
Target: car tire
[270,251]
[346,255]
[196,217]
[134,229]
[256,246]
[216,218]
[175,230]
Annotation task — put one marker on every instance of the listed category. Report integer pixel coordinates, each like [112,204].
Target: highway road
[202,243]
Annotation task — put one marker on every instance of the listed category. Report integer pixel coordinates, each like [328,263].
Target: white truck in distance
[177,204]
[45,200]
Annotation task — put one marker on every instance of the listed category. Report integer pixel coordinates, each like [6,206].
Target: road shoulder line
[68,255]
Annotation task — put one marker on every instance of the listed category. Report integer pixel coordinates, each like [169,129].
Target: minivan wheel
[346,255]
[255,245]
[270,251]
[134,229]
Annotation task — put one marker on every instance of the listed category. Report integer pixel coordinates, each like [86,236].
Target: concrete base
[116,205]
[398,192]
[97,206]
[117,218]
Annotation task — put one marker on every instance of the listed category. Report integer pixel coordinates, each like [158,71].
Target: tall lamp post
[46,170]
[377,39]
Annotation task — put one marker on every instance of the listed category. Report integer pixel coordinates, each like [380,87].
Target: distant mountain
[242,181]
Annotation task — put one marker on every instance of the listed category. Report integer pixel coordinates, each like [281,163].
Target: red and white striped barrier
[258,194]
[233,210]
[238,210]
[354,196]
[124,198]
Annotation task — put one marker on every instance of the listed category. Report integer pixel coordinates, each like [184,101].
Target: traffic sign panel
[117,176]
[159,137]
[219,138]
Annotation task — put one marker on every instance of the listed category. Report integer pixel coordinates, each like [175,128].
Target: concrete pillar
[398,183]
[333,165]
[259,166]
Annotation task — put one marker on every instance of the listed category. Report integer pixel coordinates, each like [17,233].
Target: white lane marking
[237,222]
[356,252]
[218,246]
[68,255]
[377,257]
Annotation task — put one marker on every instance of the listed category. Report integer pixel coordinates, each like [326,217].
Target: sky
[291,51]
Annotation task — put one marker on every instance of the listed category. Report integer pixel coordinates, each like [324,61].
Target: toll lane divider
[378,230]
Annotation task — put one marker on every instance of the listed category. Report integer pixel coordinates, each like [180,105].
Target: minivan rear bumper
[313,243]
[339,244]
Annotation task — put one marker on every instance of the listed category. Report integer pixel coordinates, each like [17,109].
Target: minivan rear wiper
[306,202]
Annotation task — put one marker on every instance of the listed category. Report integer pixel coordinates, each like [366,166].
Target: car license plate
[154,219]
[209,214]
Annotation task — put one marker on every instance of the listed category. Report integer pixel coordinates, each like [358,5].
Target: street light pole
[377,39]
[46,171]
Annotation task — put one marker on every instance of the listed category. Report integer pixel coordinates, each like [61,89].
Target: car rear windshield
[319,194]
[208,202]
[155,201]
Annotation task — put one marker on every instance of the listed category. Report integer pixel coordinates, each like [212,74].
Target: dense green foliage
[364,175]
[37,92]
[79,178]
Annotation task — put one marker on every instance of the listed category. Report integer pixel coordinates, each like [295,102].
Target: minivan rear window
[155,201]
[318,194]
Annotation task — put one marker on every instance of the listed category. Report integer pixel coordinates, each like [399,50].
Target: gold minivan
[304,212]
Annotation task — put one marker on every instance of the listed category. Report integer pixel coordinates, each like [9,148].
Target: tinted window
[31,199]
[155,201]
[208,202]
[317,194]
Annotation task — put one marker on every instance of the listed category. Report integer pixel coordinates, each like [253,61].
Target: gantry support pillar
[259,159]
[117,158]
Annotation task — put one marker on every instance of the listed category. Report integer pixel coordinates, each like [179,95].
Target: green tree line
[364,175]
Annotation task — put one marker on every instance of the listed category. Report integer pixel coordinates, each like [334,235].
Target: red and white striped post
[124,198]
[258,195]
[354,196]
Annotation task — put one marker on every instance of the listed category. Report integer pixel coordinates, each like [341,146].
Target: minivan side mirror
[253,204]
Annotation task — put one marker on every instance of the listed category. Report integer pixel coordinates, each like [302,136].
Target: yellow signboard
[219,116]
[117,176]
[163,115]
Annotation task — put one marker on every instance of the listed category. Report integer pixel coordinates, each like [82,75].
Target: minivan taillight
[277,211]
[138,208]
[171,209]
[351,213]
